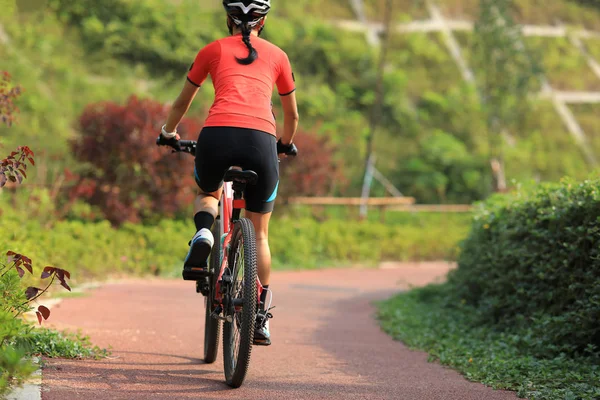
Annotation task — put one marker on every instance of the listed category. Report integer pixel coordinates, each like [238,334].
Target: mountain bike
[230,285]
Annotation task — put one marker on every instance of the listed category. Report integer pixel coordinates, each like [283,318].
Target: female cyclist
[240,130]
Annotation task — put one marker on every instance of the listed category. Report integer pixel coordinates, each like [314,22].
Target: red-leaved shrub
[128,177]
[314,172]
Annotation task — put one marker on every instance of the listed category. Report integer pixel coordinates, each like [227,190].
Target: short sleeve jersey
[243,92]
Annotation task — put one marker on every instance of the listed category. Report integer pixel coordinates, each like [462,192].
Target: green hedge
[532,264]
[522,310]
[91,249]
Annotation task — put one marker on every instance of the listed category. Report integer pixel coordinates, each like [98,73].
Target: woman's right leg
[261,227]
[207,202]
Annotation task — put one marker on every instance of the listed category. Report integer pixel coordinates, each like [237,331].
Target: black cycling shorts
[220,148]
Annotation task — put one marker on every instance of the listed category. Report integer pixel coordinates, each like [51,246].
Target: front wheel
[241,303]
[212,326]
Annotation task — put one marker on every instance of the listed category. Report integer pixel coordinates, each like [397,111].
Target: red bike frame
[226,207]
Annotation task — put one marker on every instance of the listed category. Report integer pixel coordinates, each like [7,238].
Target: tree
[377,108]
[506,75]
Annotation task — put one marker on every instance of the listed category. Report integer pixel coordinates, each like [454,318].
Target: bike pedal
[194,274]
[203,287]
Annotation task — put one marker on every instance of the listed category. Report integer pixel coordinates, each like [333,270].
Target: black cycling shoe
[262,336]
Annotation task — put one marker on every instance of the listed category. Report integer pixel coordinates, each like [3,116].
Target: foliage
[565,66]
[521,311]
[8,95]
[315,172]
[13,167]
[432,319]
[530,264]
[444,171]
[149,31]
[16,335]
[127,176]
[587,115]
[106,53]
[14,332]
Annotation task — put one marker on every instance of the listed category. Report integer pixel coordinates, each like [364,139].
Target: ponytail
[252,53]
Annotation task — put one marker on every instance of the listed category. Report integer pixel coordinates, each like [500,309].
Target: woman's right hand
[287,149]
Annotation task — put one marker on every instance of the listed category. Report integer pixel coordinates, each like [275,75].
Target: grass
[593,47]
[404,10]
[332,10]
[422,320]
[543,140]
[565,66]
[587,115]
[55,344]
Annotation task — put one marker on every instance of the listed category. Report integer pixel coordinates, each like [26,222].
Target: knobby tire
[243,241]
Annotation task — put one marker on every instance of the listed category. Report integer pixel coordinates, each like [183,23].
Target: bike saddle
[244,177]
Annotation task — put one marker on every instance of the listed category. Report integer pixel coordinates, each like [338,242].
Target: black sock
[203,220]
[263,295]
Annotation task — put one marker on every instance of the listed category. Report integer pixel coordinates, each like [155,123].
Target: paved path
[327,344]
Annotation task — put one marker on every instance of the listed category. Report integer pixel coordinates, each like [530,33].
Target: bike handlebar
[189,146]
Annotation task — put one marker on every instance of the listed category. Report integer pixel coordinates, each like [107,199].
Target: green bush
[531,264]
[522,309]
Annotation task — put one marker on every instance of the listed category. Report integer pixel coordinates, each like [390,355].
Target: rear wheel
[240,304]
[212,326]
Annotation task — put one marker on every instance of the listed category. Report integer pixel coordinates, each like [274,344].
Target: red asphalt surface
[326,343]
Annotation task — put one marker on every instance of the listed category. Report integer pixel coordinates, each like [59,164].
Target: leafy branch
[13,168]
[22,264]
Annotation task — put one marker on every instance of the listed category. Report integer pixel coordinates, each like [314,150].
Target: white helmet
[247,11]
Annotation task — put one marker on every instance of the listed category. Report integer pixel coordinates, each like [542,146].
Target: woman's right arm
[290,118]
[286,85]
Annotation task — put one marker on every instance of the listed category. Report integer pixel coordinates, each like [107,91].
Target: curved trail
[327,344]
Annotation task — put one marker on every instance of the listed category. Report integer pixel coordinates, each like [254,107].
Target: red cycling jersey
[243,92]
